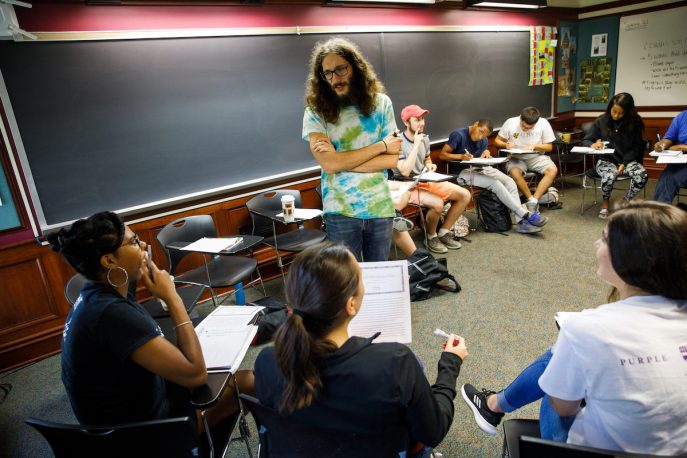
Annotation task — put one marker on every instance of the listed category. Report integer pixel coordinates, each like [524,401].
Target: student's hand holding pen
[599,144]
[467,155]
[510,145]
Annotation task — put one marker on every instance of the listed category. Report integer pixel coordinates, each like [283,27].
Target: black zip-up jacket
[628,146]
[371,388]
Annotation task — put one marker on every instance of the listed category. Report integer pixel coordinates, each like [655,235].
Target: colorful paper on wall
[541,55]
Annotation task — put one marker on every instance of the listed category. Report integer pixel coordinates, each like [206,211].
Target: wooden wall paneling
[33,310]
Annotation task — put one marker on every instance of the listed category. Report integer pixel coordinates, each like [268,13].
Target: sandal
[603,213]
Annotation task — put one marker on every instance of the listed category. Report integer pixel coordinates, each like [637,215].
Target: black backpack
[494,215]
[274,314]
[426,273]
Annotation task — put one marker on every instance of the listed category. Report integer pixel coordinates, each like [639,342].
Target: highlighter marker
[440,333]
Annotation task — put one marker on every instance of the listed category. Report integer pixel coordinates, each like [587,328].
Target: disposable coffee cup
[288,206]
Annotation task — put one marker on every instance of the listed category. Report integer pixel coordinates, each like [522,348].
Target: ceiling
[577,3]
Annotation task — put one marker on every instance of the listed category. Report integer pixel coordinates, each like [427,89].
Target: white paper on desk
[433,176]
[519,151]
[667,153]
[304,213]
[681,159]
[485,161]
[213,245]
[590,150]
[225,336]
[386,304]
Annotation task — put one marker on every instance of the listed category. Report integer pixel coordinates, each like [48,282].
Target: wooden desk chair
[169,438]
[281,437]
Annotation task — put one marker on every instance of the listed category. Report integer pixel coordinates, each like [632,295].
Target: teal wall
[591,27]
[8,212]
[583,31]
[565,103]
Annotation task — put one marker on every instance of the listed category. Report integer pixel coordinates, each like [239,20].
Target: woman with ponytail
[117,367]
[320,376]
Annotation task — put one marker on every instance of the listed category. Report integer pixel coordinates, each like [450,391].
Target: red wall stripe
[79,17]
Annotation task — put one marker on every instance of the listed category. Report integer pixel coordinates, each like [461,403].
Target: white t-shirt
[628,360]
[540,133]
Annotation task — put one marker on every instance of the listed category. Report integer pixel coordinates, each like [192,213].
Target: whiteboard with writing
[652,57]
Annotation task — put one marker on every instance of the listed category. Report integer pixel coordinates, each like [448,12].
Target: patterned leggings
[608,170]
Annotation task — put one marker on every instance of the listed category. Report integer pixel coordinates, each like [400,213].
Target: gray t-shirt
[407,148]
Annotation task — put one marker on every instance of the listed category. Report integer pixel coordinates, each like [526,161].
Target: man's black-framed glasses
[340,70]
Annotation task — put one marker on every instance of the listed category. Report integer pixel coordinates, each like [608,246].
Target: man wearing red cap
[414,157]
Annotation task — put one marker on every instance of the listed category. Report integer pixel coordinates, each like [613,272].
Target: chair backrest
[269,201]
[586,127]
[187,229]
[171,438]
[534,447]
[72,289]
[281,437]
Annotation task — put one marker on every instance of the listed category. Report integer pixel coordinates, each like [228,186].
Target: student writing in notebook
[117,367]
[472,141]
[318,375]
[620,126]
[674,176]
[529,132]
[615,378]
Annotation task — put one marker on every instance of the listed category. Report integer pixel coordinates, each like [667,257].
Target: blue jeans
[672,179]
[525,390]
[368,239]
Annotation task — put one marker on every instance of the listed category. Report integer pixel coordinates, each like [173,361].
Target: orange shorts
[443,189]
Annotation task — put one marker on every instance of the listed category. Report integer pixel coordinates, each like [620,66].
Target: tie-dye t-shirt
[354,194]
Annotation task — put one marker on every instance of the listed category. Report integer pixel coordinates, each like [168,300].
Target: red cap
[412,111]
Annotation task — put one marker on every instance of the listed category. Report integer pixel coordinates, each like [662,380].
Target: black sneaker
[477,401]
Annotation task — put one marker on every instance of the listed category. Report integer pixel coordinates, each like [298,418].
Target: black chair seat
[594,175]
[281,437]
[189,296]
[522,439]
[224,271]
[171,438]
[297,240]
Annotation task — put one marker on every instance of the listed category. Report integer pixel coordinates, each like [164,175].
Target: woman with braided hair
[117,367]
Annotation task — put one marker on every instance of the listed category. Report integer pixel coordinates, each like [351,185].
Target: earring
[126,277]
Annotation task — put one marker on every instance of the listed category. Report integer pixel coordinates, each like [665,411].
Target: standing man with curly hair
[349,123]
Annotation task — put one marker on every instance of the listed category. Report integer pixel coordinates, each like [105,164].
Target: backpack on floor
[274,314]
[551,199]
[427,273]
[494,215]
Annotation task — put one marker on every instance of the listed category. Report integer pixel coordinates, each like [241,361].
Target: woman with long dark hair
[619,128]
[117,367]
[615,378]
[320,376]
